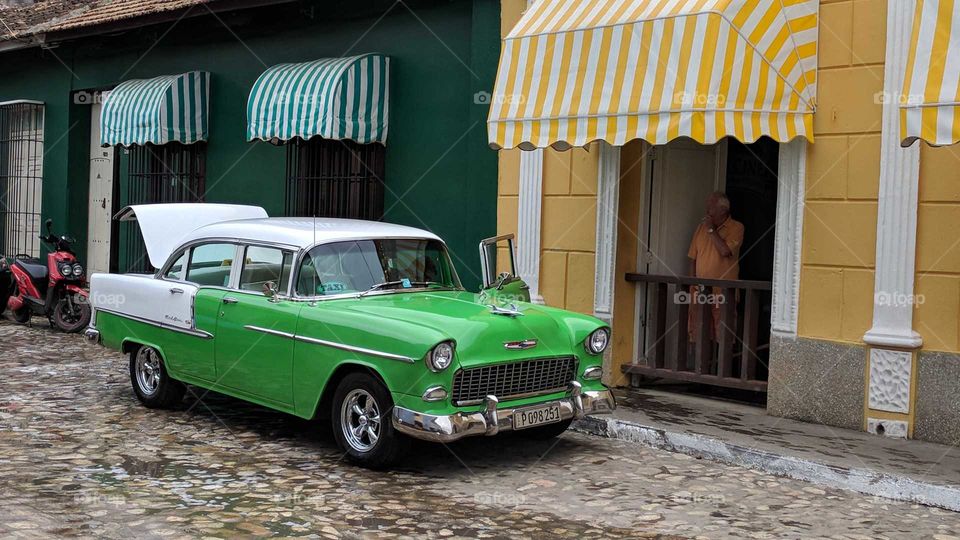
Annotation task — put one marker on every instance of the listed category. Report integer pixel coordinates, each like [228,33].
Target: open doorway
[732,352]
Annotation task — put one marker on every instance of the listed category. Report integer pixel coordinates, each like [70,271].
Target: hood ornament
[520,345]
[511,311]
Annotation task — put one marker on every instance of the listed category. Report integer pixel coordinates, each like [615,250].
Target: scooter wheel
[71,314]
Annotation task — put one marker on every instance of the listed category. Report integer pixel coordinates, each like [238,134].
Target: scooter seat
[36,270]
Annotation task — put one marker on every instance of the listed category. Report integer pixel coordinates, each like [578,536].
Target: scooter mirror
[49,226]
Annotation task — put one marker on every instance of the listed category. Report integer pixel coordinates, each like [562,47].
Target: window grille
[331,178]
[170,173]
[21,177]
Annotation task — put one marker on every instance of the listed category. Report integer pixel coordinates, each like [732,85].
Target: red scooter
[56,290]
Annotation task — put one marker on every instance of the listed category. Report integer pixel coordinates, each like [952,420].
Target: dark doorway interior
[752,189]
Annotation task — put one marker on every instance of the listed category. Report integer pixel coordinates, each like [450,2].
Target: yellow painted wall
[840,215]
[937,285]
[843,169]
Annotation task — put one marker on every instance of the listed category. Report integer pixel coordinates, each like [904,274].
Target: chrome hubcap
[360,420]
[148,371]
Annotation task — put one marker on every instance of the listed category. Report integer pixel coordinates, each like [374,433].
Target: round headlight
[66,269]
[77,269]
[597,342]
[440,357]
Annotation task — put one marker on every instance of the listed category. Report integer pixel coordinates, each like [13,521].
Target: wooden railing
[728,359]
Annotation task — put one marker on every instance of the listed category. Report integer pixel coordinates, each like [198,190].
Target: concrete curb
[866,481]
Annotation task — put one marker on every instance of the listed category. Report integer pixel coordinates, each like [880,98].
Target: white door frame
[100,197]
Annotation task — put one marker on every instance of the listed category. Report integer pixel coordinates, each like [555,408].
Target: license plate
[536,416]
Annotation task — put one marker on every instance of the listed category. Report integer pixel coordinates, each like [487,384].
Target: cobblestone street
[80,456]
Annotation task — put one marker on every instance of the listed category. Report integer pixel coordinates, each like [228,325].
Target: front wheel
[151,383]
[362,412]
[72,313]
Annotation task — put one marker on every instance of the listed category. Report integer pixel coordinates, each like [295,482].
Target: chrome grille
[513,380]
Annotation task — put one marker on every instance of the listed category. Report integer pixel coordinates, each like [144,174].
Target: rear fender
[128,345]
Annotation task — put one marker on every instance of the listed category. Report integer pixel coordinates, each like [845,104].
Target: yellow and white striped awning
[575,71]
[930,104]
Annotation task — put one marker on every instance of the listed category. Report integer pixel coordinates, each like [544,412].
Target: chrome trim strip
[190,332]
[331,344]
[351,348]
[269,331]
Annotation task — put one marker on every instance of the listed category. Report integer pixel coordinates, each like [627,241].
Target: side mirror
[49,226]
[270,291]
[488,260]
[506,285]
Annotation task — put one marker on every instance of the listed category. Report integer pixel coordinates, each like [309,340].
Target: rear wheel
[153,387]
[361,413]
[548,431]
[72,313]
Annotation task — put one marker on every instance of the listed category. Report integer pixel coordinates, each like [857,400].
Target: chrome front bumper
[492,420]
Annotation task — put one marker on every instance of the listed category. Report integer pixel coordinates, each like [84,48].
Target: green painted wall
[440,174]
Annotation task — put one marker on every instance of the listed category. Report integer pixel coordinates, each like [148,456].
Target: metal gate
[21,177]
[170,173]
[330,178]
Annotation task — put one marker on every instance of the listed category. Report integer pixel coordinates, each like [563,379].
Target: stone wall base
[817,381]
[937,417]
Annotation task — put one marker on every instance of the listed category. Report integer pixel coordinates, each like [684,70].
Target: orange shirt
[709,263]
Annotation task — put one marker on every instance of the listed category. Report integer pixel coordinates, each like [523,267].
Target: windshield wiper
[386,284]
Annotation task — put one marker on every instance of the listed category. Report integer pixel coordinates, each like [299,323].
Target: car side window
[210,264]
[264,264]
[176,269]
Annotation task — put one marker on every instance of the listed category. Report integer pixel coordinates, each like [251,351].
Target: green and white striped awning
[333,98]
[171,108]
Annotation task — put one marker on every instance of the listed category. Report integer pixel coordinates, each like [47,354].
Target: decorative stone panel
[890,380]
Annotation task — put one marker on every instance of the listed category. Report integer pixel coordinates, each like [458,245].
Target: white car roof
[304,232]
[166,227]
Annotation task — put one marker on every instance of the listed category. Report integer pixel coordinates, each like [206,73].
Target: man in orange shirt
[714,254]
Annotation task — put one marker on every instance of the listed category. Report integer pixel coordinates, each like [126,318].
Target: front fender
[74,288]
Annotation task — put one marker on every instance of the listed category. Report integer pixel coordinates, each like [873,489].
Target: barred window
[21,177]
[169,173]
[331,178]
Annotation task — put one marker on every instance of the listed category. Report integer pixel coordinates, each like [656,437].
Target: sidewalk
[905,470]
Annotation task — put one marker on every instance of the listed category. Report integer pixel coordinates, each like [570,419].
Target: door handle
[230,300]
[176,290]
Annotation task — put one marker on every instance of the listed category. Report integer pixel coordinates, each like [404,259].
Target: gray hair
[722,200]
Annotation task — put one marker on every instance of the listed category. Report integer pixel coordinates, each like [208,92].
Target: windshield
[357,266]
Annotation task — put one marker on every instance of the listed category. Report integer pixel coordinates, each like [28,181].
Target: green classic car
[362,323]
